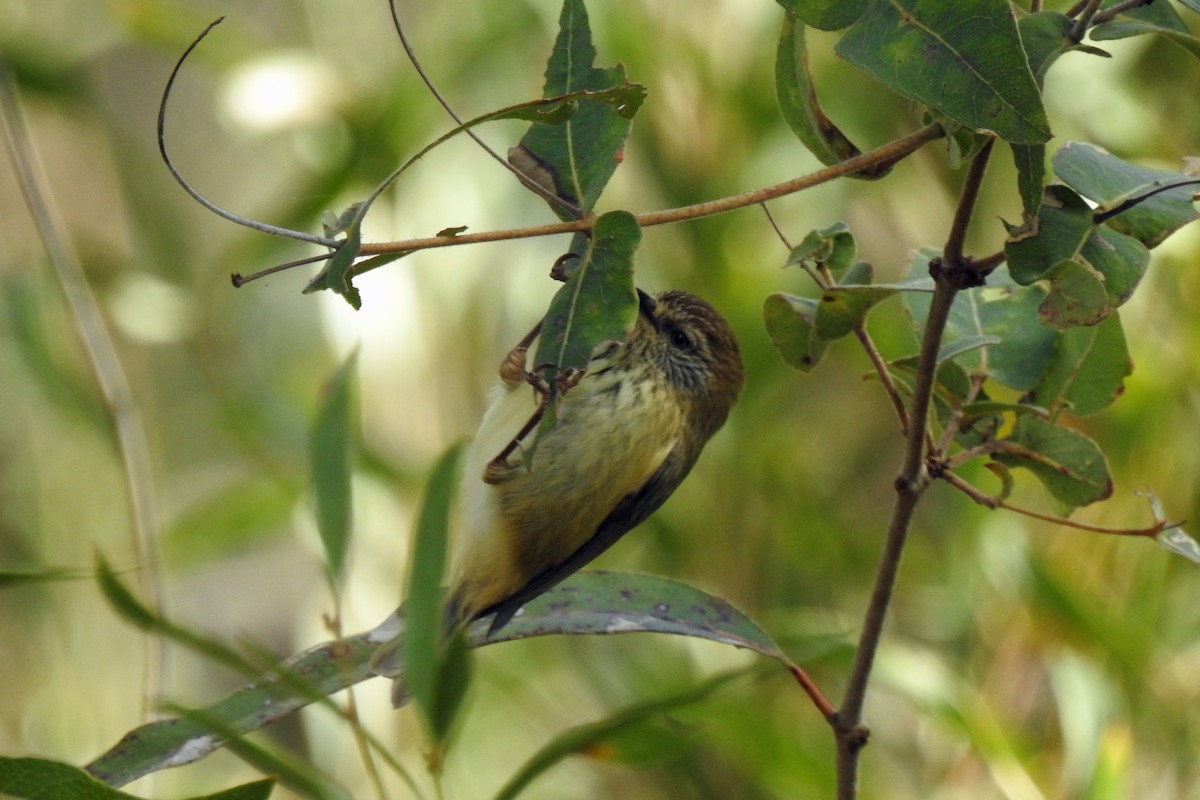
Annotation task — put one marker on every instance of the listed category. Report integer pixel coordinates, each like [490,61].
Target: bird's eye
[680,340]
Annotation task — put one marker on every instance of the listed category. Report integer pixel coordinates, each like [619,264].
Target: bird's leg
[512,368]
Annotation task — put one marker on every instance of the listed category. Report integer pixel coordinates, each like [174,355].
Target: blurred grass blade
[300,778]
[585,737]
[43,779]
[21,576]
[425,623]
[330,446]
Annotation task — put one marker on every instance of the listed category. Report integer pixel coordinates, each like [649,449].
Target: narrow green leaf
[791,324]
[1088,370]
[586,603]
[330,443]
[1109,181]
[589,737]
[797,97]
[598,302]
[825,15]
[302,778]
[1068,464]
[578,156]
[11,576]
[964,59]
[43,779]
[424,614]
[964,344]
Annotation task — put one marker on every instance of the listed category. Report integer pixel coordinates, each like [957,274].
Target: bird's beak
[646,306]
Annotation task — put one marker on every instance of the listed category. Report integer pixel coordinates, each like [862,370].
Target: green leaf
[578,156]
[797,97]
[844,307]
[964,59]
[831,248]
[1044,36]
[1001,310]
[424,645]
[330,445]
[336,274]
[1030,160]
[586,603]
[1077,296]
[1157,18]
[598,302]
[1068,464]
[300,777]
[1109,181]
[1088,369]
[825,15]
[593,737]
[1066,232]
[791,324]
[43,779]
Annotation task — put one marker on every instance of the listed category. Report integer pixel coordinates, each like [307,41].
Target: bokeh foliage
[1022,660]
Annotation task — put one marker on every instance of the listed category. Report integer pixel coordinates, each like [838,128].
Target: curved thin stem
[528,182]
[274,230]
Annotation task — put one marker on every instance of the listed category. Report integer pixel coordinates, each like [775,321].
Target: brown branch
[888,153]
[885,377]
[989,501]
[810,688]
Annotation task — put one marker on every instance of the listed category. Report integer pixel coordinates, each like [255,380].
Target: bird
[627,432]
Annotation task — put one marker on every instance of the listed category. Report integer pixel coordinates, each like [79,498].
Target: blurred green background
[1021,660]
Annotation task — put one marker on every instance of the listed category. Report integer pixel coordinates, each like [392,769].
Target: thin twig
[991,502]
[810,688]
[775,225]
[528,182]
[274,230]
[885,377]
[1117,8]
[102,356]
[1084,20]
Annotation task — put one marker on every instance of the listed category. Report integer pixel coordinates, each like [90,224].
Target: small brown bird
[627,434]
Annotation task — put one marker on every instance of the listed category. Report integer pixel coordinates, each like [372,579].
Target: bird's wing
[631,510]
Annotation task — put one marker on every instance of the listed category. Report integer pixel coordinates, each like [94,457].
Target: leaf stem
[263,227]
[995,502]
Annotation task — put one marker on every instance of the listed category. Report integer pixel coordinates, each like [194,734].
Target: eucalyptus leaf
[964,59]
[578,156]
[44,779]
[1110,181]
[791,325]
[797,97]
[1068,464]
[330,445]
[826,15]
[1088,369]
